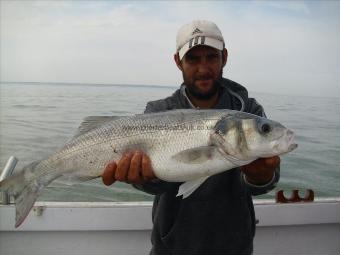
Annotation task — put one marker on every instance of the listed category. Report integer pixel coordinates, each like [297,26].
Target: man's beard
[196,93]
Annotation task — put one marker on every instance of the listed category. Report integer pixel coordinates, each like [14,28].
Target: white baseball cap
[198,32]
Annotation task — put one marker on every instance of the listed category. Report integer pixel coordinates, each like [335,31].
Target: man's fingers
[133,167]
[134,174]
[274,161]
[262,170]
[147,171]
[263,163]
[108,175]
[123,167]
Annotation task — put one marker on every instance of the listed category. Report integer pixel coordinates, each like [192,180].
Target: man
[218,218]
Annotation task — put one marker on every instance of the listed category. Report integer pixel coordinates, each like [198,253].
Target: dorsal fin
[92,122]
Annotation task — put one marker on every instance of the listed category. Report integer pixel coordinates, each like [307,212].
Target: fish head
[247,136]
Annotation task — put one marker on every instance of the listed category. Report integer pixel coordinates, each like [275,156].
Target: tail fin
[25,189]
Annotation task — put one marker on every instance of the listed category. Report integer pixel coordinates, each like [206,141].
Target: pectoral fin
[187,188]
[196,155]
[236,161]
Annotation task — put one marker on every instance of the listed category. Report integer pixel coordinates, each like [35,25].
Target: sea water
[36,119]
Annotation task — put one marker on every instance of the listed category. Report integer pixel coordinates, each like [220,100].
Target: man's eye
[193,59]
[212,57]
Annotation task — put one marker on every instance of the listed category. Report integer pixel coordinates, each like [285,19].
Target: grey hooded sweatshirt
[218,218]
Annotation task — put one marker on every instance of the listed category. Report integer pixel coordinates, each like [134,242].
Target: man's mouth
[205,78]
[204,82]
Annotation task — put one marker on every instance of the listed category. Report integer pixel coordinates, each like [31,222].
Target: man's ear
[224,56]
[178,61]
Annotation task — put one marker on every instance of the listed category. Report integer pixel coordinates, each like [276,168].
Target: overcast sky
[288,47]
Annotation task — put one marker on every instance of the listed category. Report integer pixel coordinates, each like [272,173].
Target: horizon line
[146,85]
[87,83]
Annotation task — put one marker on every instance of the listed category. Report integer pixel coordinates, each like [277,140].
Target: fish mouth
[285,142]
[290,137]
[292,147]
[291,143]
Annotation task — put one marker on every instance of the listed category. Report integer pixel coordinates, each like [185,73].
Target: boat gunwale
[117,216]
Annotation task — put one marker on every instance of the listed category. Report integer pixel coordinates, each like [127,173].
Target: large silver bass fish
[184,146]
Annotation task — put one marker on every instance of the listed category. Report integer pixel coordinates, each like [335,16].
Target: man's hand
[261,171]
[133,167]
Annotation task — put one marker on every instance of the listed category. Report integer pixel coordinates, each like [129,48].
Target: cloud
[295,6]
[273,46]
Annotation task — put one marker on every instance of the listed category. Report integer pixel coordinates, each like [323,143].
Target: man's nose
[203,65]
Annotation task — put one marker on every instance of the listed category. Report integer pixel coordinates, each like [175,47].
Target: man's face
[202,69]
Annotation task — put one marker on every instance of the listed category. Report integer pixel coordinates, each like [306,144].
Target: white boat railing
[6,172]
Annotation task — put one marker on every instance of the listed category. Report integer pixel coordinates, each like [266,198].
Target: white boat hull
[125,228]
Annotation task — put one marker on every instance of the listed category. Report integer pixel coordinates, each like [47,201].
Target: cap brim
[212,42]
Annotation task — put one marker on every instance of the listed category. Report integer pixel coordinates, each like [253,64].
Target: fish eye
[266,128]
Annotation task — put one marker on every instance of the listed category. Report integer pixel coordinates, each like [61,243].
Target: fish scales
[79,154]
